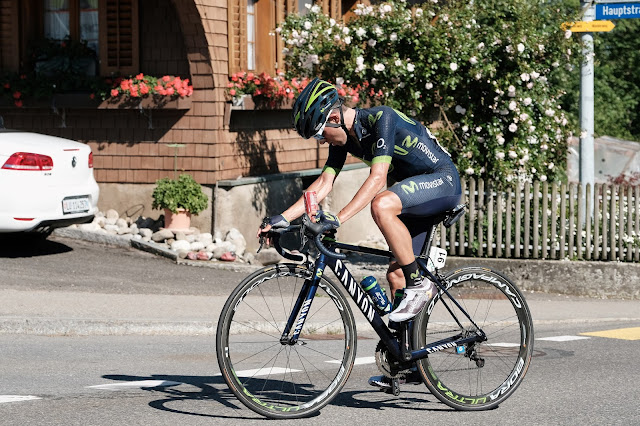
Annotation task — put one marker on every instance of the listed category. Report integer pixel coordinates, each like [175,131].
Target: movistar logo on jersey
[399,151]
[297,116]
[411,188]
[373,119]
[408,142]
[405,118]
[424,148]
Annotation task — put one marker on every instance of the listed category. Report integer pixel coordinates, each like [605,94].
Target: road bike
[286,338]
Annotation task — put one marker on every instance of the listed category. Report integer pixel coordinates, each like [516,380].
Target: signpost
[589,27]
[617,10]
[594,19]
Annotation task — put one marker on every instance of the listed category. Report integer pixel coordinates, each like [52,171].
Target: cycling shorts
[426,195]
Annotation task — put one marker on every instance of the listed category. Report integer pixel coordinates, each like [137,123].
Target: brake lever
[303,237]
[265,222]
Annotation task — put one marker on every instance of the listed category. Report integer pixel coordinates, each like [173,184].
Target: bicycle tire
[282,381]
[497,306]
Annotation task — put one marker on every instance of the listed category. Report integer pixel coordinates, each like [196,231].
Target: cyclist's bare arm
[376,182]
[322,185]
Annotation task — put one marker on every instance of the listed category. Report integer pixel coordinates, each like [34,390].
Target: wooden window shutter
[9,47]
[333,8]
[237,30]
[119,37]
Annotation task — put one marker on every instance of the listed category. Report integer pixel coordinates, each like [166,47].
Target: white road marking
[503,345]
[17,398]
[358,361]
[562,338]
[136,384]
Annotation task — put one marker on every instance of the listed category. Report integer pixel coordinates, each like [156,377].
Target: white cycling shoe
[415,298]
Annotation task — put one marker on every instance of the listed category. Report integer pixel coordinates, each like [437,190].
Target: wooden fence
[547,221]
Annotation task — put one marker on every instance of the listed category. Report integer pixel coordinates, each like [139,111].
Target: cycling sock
[412,275]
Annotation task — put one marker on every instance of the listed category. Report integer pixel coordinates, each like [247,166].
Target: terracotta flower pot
[177,221]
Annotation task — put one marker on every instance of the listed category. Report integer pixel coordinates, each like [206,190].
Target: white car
[46,182]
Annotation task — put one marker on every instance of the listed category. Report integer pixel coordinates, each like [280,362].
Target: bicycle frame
[399,348]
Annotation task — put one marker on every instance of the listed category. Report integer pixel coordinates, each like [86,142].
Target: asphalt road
[96,380]
[138,379]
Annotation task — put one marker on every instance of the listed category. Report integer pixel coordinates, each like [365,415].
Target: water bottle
[377,295]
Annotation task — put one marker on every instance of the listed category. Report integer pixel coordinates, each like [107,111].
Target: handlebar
[311,229]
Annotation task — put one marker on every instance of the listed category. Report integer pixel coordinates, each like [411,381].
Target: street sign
[618,11]
[589,26]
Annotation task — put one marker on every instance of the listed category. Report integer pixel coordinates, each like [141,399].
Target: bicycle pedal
[395,387]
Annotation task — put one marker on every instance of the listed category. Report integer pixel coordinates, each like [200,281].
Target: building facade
[134,145]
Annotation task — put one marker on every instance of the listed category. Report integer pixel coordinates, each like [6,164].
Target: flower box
[84,101]
[148,102]
[260,111]
[249,102]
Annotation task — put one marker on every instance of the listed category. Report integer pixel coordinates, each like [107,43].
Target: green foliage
[182,193]
[492,69]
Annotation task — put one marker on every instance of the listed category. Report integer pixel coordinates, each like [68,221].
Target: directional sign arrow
[589,26]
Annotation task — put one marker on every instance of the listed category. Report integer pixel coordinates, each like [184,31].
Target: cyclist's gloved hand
[269,223]
[327,218]
[278,221]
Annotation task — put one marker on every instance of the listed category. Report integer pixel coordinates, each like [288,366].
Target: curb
[94,237]
[106,327]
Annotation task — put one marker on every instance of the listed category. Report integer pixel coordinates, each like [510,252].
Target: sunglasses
[319,135]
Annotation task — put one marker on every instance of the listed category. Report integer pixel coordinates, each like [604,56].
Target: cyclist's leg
[423,195]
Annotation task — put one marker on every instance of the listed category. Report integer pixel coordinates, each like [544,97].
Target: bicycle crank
[389,367]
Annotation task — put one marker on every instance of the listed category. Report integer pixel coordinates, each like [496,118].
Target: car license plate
[75,205]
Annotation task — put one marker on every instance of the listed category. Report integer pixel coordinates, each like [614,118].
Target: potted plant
[180,198]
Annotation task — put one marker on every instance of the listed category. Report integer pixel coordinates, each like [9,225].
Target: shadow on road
[214,389]
[21,245]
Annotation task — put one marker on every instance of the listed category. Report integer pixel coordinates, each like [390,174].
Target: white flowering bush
[490,72]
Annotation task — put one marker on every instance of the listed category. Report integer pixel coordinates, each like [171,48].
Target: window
[251,34]
[75,19]
[251,24]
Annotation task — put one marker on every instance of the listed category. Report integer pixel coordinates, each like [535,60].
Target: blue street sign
[618,11]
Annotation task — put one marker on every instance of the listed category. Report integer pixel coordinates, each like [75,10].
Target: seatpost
[405,340]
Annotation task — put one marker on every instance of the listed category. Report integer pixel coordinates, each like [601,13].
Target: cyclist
[394,145]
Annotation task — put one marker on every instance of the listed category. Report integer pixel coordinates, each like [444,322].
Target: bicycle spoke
[256,329]
[285,380]
[464,377]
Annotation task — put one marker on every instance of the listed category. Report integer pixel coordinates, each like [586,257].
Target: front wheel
[272,378]
[478,376]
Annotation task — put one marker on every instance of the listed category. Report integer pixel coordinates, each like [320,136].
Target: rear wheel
[280,380]
[477,376]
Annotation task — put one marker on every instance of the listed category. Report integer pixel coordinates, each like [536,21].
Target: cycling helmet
[311,109]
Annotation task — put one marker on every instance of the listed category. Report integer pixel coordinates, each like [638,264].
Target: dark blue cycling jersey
[427,181]
[389,136]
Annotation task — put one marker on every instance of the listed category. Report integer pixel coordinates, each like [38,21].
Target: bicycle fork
[302,306]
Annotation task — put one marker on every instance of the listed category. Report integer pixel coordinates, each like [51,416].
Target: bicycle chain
[382,361]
